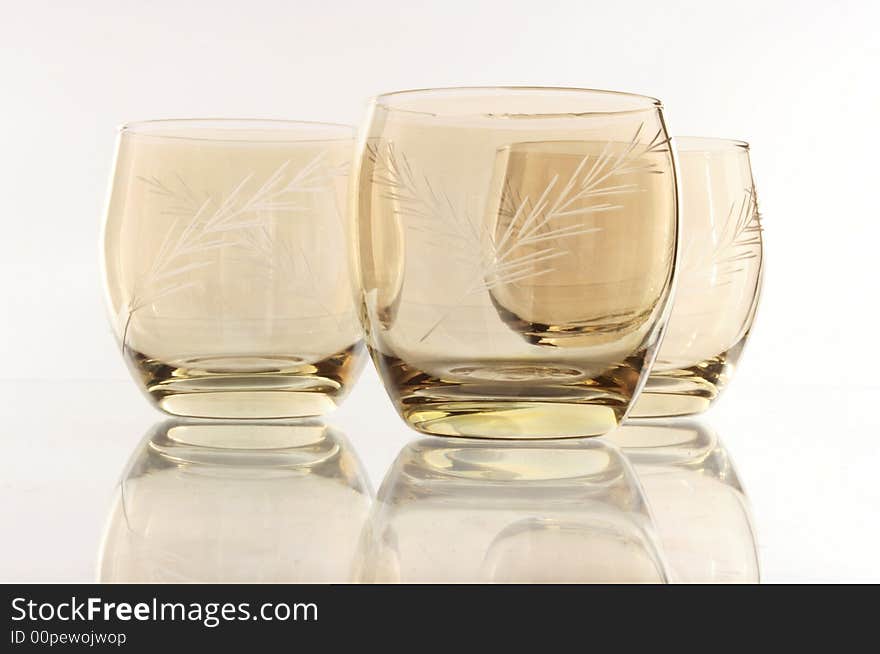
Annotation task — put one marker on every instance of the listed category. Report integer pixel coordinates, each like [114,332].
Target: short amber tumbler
[514,251]
[719,279]
[225,268]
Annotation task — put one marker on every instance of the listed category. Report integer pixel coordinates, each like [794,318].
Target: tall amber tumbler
[225,266]
[719,280]
[514,250]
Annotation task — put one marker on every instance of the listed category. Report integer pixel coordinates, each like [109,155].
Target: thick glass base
[661,405]
[509,399]
[247,387]
[683,392]
[511,419]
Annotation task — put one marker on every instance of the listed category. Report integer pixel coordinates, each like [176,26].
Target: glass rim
[708,144]
[239,130]
[650,102]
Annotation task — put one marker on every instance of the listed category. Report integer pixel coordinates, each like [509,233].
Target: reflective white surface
[799,418]
[806,459]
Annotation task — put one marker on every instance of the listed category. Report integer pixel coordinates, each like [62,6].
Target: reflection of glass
[453,510]
[237,502]
[719,279]
[514,251]
[700,509]
[228,292]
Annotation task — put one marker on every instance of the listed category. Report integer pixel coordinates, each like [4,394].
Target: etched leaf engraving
[532,233]
[739,241]
[741,238]
[282,260]
[238,220]
[530,223]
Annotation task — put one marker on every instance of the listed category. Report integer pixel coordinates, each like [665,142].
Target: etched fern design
[286,261]
[531,223]
[739,241]
[532,236]
[741,238]
[210,223]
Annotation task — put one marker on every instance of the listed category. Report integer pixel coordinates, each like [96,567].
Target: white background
[798,80]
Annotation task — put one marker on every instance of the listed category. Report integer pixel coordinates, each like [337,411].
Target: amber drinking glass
[514,250]
[225,268]
[718,283]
